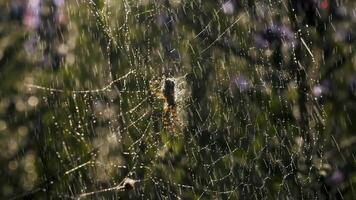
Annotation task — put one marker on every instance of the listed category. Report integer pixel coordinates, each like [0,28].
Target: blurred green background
[264,99]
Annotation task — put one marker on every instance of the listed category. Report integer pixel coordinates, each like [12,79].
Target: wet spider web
[238,129]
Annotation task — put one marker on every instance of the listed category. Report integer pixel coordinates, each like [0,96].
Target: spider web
[239,131]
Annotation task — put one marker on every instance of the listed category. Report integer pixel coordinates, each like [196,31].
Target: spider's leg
[156,91]
[168,118]
[175,121]
[165,117]
[159,95]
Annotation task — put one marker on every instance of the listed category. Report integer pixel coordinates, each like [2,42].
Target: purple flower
[322,89]
[318,90]
[343,34]
[32,14]
[58,3]
[59,14]
[164,19]
[31,43]
[229,7]
[336,178]
[274,33]
[239,82]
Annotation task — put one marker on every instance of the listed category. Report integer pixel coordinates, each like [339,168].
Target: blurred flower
[276,32]
[324,4]
[322,89]
[261,42]
[317,90]
[343,34]
[58,2]
[31,43]
[59,14]
[32,14]
[229,7]
[336,178]
[239,82]
[164,19]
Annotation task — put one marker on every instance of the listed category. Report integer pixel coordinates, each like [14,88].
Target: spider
[167,92]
